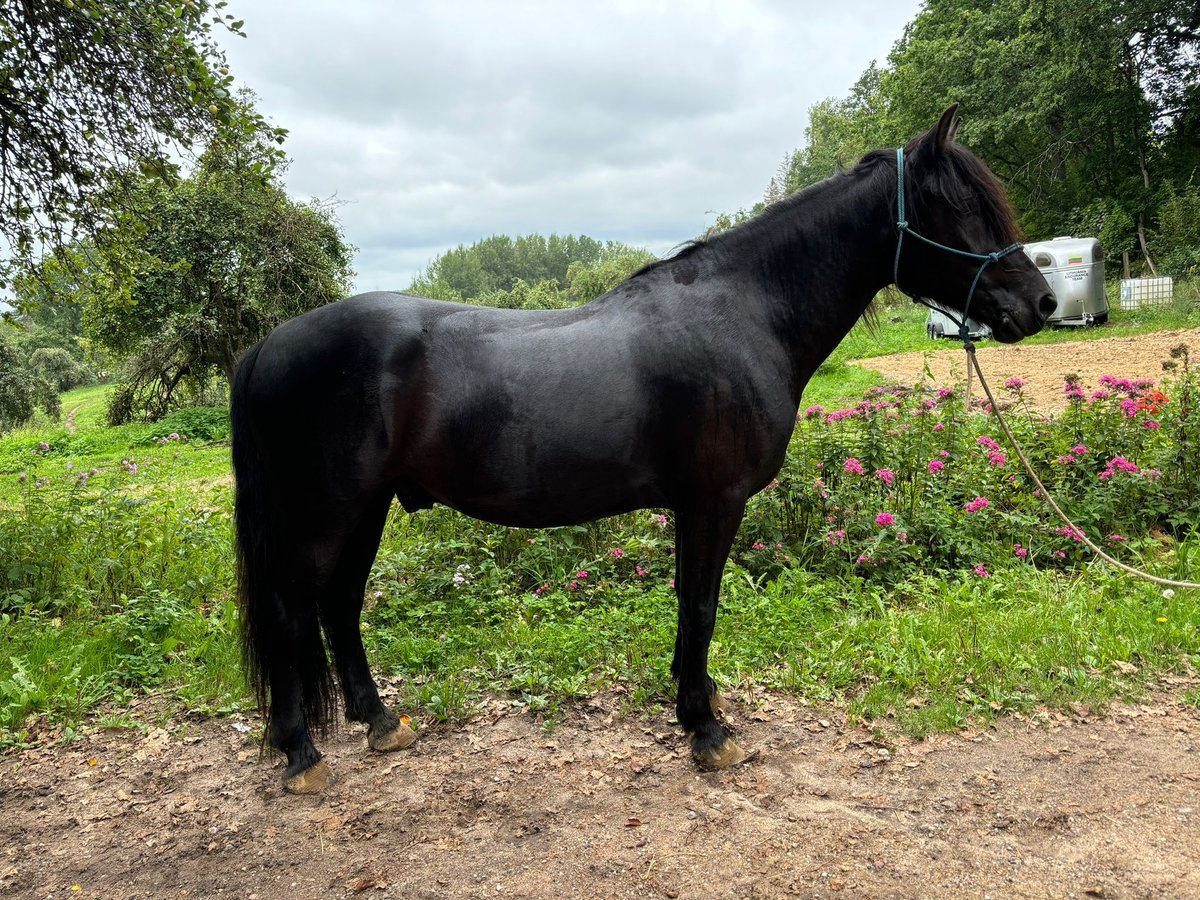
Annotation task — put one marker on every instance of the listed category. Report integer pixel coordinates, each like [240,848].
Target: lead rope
[964,335]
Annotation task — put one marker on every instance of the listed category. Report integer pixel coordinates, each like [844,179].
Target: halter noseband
[985,259]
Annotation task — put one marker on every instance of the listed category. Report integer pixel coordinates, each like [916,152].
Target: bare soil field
[1044,367]
[609,804]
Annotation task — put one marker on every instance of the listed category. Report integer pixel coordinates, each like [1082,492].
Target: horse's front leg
[703,538]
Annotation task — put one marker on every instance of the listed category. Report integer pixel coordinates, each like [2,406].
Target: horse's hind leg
[307,572]
[296,668]
[341,609]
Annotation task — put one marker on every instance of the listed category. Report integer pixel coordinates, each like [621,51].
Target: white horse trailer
[1074,268]
[940,325]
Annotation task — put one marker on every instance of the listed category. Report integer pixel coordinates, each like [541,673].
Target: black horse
[678,389]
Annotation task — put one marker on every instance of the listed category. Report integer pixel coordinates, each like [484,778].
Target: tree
[93,91]
[21,388]
[536,272]
[1085,112]
[219,259]
[838,133]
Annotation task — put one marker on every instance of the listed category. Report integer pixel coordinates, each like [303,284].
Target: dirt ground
[608,804]
[1044,367]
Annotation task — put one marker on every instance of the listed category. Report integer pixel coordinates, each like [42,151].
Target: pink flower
[981,571]
[758,545]
[1117,539]
[815,410]
[542,589]
[1014,384]
[883,520]
[1119,464]
[574,586]
[836,537]
[1067,531]
[997,458]
[945,392]
[1020,551]
[671,582]
[977,504]
[1079,449]
[853,467]
[640,571]
[939,427]
[1152,424]
[659,519]
[988,442]
[887,476]
[935,466]
[582,573]
[618,553]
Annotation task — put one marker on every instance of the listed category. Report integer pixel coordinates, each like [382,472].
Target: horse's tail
[273,632]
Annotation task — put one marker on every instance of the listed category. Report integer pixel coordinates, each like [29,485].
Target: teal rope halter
[985,259]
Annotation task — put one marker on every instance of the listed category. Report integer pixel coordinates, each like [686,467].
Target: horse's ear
[943,134]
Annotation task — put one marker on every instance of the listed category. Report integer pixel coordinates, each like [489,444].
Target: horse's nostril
[1047,305]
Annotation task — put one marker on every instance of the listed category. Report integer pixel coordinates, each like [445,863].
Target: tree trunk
[1142,241]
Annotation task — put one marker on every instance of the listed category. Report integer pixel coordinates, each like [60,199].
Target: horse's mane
[968,185]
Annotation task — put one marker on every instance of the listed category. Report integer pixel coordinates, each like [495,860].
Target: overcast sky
[438,123]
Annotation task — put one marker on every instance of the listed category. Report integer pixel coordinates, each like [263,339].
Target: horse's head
[953,199]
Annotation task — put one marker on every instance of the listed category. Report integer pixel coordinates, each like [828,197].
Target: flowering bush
[946,493]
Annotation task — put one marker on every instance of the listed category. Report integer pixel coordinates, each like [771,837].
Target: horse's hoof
[397,739]
[718,704]
[725,756]
[312,780]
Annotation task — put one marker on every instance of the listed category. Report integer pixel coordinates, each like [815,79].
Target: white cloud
[440,123]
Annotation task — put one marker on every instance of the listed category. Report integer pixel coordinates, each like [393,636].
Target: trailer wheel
[1100,318]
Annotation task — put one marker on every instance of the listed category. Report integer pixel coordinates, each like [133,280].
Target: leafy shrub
[1177,242]
[907,479]
[195,423]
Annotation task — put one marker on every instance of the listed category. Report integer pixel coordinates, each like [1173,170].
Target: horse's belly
[550,496]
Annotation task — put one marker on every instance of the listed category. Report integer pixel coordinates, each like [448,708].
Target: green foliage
[528,272]
[226,258]
[838,133]
[905,480]
[1177,242]
[16,398]
[195,423]
[29,383]
[58,368]
[1088,116]
[95,89]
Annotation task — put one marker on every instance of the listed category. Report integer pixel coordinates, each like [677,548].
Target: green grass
[901,329]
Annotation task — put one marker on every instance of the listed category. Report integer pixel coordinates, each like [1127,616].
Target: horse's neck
[820,259]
